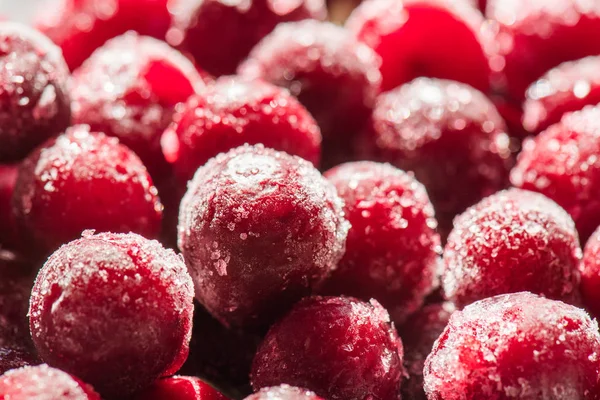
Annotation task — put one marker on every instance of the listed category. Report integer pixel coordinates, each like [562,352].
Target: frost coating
[512,241]
[515,346]
[114,308]
[590,275]
[283,392]
[258,229]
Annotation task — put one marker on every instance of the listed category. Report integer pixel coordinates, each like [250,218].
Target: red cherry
[283,392]
[180,388]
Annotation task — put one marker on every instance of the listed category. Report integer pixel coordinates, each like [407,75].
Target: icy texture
[512,241]
[128,88]
[83,180]
[8,233]
[203,28]
[435,38]
[258,229]
[180,388]
[34,99]
[392,250]
[339,347]
[14,356]
[235,111]
[332,74]
[450,135]
[533,36]
[79,27]
[43,383]
[590,275]
[283,392]
[563,163]
[418,335]
[116,309]
[515,346]
[568,87]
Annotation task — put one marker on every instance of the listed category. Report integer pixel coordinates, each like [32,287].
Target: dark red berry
[590,275]
[114,308]
[83,180]
[563,163]
[180,388]
[34,99]
[259,229]
[79,27]
[283,392]
[45,383]
[450,135]
[204,29]
[235,111]
[392,250]
[512,241]
[434,38]
[515,346]
[533,36]
[568,87]
[8,228]
[338,347]
[418,335]
[129,88]
[14,356]
[332,74]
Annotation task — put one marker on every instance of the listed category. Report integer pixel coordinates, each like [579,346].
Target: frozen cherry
[512,241]
[34,99]
[128,88]
[79,27]
[563,163]
[259,229]
[233,112]
[515,346]
[533,36]
[44,383]
[8,229]
[180,388]
[392,249]
[83,180]
[283,392]
[204,28]
[435,38]
[14,356]
[568,87]
[450,135]
[418,335]
[338,347]
[590,274]
[332,74]
[114,308]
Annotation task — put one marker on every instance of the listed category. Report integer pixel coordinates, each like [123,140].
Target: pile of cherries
[211,200]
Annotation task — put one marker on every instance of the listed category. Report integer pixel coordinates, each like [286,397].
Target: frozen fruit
[128,88]
[533,36]
[450,135]
[180,388]
[204,28]
[16,280]
[332,74]
[83,180]
[34,99]
[590,275]
[220,355]
[79,27]
[8,229]
[392,249]
[418,335]
[434,38]
[114,308]
[44,383]
[233,112]
[563,163]
[283,392]
[338,347]
[15,356]
[568,87]
[259,229]
[512,241]
[515,346]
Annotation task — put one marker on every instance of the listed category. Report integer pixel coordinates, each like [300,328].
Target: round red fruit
[590,275]
[180,388]
[283,392]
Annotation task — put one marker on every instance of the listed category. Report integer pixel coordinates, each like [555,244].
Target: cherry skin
[590,274]
[114,308]
[180,388]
